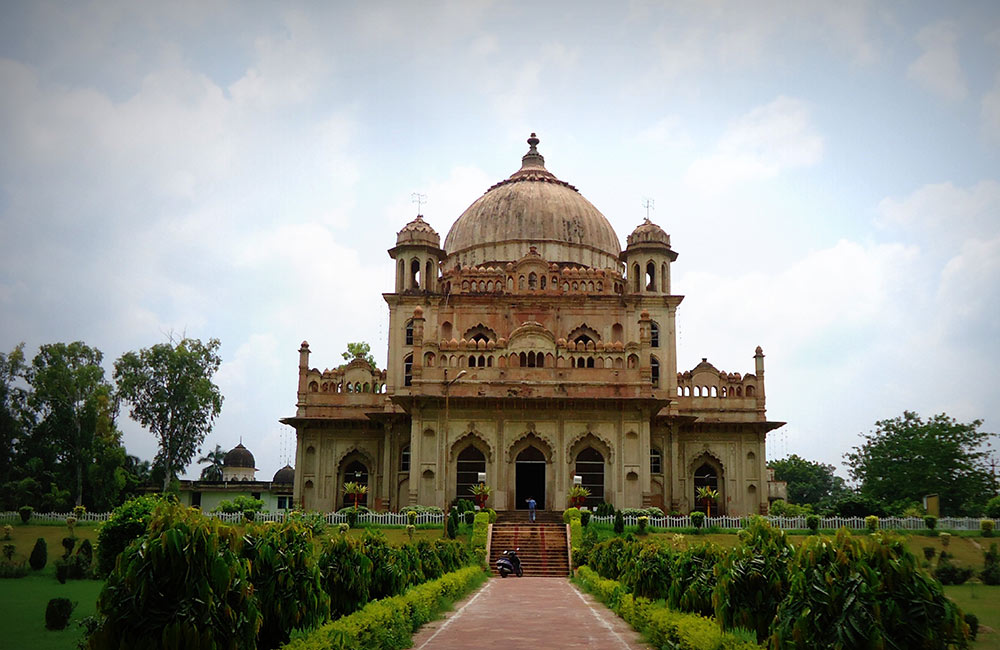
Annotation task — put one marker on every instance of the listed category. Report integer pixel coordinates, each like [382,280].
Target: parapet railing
[799,523]
[383,518]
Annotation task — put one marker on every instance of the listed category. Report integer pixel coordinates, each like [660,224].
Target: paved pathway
[528,614]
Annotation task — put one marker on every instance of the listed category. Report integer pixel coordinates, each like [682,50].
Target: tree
[359,350]
[68,387]
[908,457]
[215,459]
[808,481]
[708,497]
[170,389]
[13,399]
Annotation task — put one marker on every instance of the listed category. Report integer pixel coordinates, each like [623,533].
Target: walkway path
[528,614]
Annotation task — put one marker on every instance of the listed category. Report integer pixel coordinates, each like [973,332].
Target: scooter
[509,563]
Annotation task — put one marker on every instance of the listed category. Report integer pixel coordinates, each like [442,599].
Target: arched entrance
[529,478]
[355,472]
[590,468]
[705,476]
[471,461]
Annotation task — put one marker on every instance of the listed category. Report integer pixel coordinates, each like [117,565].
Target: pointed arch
[589,439]
[529,439]
[475,439]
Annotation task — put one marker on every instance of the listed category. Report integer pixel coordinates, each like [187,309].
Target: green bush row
[663,627]
[389,623]
[826,594]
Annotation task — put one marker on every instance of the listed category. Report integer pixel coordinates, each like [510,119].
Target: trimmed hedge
[661,626]
[480,528]
[389,624]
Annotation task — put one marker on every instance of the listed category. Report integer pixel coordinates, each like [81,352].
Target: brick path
[528,614]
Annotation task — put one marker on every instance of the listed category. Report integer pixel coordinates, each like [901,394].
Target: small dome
[239,456]
[648,232]
[418,231]
[284,475]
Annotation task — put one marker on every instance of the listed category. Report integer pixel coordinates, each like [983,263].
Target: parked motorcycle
[509,563]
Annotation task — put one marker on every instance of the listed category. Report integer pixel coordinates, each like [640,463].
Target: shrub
[855,592]
[25,512]
[8,552]
[421,510]
[451,524]
[575,534]
[986,527]
[184,586]
[661,626]
[411,517]
[480,529]
[389,623]
[753,578]
[127,522]
[605,509]
[352,517]
[929,552]
[991,566]
[993,508]
[429,560]
[973,622]
[286,580]
[346,573]
[871,523]
[643,522]
[949,574]
[698,519]
[693,575]
[945,539]
[619,522]
[930,521]
[79,512]
[585,518]
[645,569]
[570,513]
[343,528]
[239,505]
[465,505]
[782,508]
[410,530]
[360,510]
[493,515]
[39,555]
[68,543]
[470,516]
[389,577]
[812,521]
[8,532]
[57,613]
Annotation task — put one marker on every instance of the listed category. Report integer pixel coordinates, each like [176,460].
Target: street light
[447,391]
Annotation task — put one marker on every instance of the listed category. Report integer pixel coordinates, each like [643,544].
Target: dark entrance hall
[529,468]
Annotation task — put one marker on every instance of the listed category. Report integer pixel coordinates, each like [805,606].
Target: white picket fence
[684,521]
[799,523]
[381,518]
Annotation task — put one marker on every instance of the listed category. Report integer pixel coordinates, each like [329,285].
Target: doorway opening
[529,479]
[590,468]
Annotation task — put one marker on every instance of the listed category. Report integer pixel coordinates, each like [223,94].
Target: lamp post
[447,391]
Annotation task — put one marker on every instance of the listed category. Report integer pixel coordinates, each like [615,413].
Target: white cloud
[990,110]
[945,215]
[446,199]
[762,144]
[938,69]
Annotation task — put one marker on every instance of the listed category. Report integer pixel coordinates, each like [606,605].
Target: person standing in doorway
[531,509]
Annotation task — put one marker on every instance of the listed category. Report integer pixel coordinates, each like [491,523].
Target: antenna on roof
[649,204]
[419,199]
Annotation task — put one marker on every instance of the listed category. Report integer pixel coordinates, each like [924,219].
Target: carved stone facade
[533,349]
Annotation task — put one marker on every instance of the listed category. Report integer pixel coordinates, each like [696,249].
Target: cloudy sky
[829,174]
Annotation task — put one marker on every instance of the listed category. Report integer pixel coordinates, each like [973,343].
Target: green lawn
[23,602]
[984,602]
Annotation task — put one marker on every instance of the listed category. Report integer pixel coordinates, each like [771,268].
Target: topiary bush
[604,510]
[570,513]
[698,519]
[451,525]
[991,566]
[39,555]
[950,574]
[753,578]
[871,523]
[930,521]
[643,523]
[183,585]
[973,622]
[812,521]
[346,573]
[619,522]
[480,530]
[470,516]
[286,580]
[493,515]
[929,553]
[57,613]
[585,517]
[986,527]
[127,522]
[25,512]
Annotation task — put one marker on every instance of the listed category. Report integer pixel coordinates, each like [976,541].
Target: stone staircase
[543,543]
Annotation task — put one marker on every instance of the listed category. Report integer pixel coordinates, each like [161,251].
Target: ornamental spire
[533,158]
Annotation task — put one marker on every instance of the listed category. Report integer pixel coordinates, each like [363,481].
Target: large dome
[532,208]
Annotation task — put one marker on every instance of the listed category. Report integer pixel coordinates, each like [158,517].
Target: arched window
[542,279]
[482,361]
[366,387]
[408,370]
[532,281]
[654,365]
[428,275]
[415,274]
[663,278]
[446,330]
[313,387]
[655,461]
[523,359]
[590,362]
[635,278]
[409,332]
[520,283]
[590,468]
[404,459]
[654,334]
[617,332]
[356,472]
[705,476]
[749,391]
[540,360]
[650,277]
[401,276]
[471,461]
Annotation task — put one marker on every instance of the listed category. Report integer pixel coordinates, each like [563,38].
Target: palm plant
[355,489]
[578,495]
[709,496]
[215,459]
[482,492]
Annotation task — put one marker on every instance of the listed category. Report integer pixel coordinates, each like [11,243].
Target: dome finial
[533,158]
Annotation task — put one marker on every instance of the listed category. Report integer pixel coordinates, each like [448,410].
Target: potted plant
[578,496]
[481,492]
[708,496]
[357,490]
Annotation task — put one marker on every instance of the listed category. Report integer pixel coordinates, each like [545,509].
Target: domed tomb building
[533,349]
